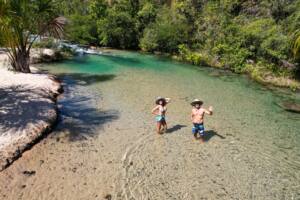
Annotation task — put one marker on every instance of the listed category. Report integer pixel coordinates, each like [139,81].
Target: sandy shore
[27,109]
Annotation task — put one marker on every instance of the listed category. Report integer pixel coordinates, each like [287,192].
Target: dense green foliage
[169,30]
[239,34]
[257,37]
[296,47]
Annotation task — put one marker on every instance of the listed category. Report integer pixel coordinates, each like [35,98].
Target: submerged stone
[291,106]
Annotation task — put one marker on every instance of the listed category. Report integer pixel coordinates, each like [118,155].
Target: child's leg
[195,131]
[158,127]
[165,126]
[201,132]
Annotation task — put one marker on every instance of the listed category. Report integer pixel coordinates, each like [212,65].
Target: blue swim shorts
[198,128]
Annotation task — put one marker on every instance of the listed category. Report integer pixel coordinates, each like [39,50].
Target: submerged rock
[28,173]
[45,55]
[291,106]
[287,65]
[219,73]
[108,197]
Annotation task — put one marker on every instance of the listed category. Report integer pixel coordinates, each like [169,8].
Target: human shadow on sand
[80,114]
[210,134]
[175,128]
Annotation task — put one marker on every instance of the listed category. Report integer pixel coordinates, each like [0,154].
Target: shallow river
[105,145]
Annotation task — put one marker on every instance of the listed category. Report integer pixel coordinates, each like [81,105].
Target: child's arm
[154,110]
[168,100]
[209,111]
[192,115]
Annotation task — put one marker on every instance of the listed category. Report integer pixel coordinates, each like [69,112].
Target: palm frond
[20,20]
[296,46]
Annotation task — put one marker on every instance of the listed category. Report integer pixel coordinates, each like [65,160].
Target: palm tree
[21,23]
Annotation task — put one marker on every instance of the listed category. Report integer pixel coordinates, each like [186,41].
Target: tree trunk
[21,61]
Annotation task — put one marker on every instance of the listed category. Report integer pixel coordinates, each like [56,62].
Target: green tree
[81,29]
[21,23]
[266,39]
[166,33]
[98,9]
[118,29]
[82,17]
[146,16]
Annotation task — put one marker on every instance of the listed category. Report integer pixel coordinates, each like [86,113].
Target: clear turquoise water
[244,98]
[245,111]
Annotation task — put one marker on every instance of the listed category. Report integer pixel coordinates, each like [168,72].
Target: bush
[149,42]
[195,58]
[266,39]
[46,43]
[117,30]
[81,29]
[167,32]
[146,16]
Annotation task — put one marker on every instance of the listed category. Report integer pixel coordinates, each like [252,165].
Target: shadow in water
[79,59]
[80,114]
[81,120]
[86,79]
[127,61]
[175,128]
[211,133]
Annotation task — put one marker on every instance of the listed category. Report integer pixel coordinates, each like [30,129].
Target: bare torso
[160,110]
[198,115]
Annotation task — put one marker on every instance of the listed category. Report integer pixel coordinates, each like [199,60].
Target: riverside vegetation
[253,37]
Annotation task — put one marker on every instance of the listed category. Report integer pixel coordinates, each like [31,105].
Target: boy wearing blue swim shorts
[198,118]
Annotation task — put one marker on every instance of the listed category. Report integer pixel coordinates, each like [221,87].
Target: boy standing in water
[160,111]
[198,117]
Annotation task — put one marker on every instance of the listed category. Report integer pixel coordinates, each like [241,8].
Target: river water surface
[105,145]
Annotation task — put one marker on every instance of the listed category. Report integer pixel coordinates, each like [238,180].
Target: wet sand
[105,146]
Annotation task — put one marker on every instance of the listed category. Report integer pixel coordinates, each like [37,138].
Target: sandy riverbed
[105,145]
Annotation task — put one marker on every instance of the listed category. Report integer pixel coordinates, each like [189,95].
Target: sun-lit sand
[27,109]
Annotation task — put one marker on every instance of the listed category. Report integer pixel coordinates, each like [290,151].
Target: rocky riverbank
[27,109]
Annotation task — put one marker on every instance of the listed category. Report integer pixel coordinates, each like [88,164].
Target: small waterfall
[79,49]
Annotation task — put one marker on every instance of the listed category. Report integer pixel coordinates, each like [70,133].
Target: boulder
[48,52]
[287,65]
